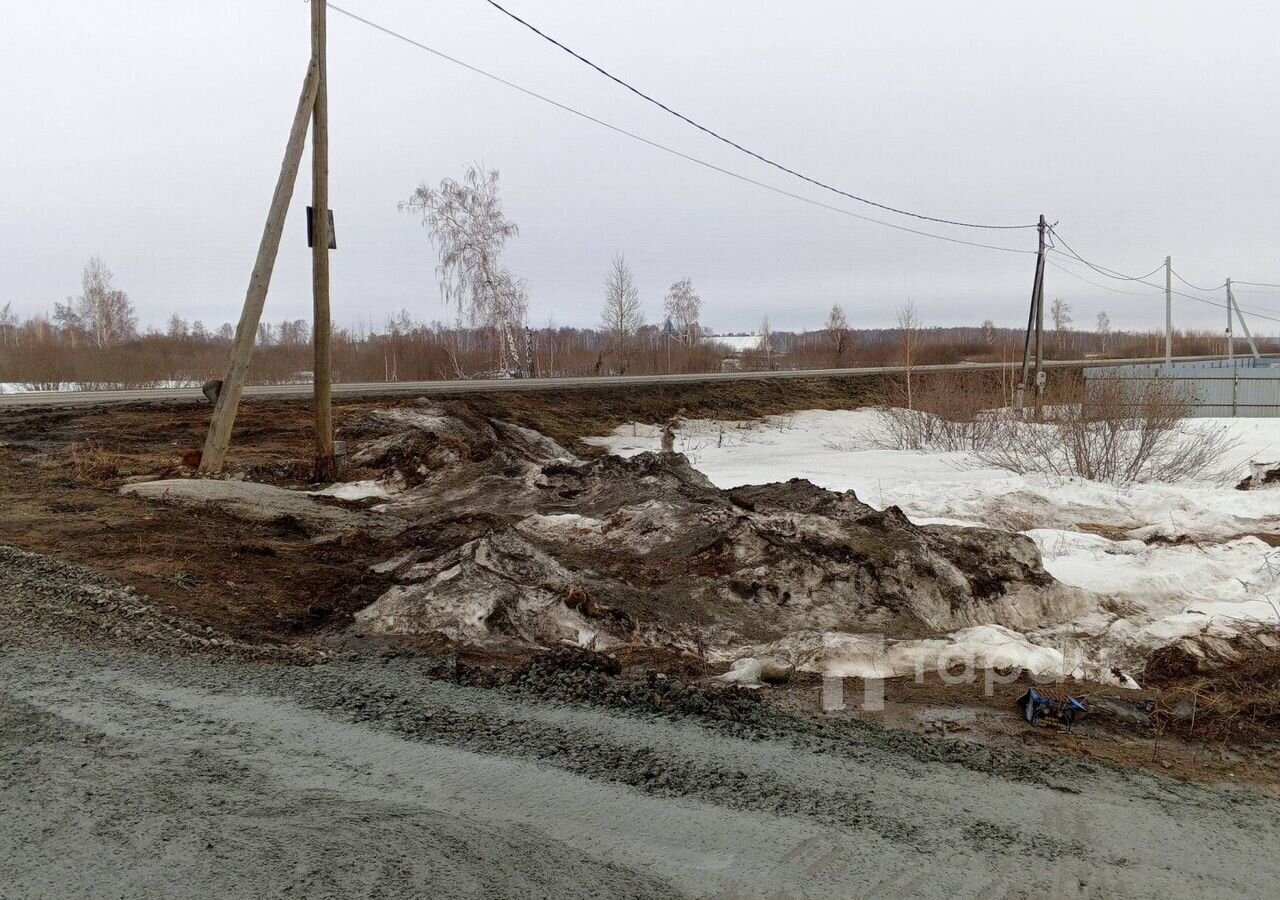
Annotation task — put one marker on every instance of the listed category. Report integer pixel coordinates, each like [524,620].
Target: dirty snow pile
[793,540]
[1166,562]
[529,542]
[490,532]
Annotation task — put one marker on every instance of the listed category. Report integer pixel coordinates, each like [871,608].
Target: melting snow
[355,490]
[1203,571]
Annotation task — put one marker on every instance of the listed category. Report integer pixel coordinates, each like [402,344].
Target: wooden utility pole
[1168,310]
[224,411]
[325,467]
[1035,325]
[1040,376]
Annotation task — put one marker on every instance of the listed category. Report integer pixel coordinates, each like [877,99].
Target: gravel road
[125,775]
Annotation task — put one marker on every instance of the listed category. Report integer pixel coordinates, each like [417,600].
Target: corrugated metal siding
[1216,388]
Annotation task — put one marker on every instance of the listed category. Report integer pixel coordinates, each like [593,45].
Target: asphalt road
[481,386]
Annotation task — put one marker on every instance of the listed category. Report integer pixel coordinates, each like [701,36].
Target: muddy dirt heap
[497,531]
[513,535]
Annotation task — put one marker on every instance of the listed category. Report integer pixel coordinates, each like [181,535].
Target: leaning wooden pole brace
[325,467]
[224,410]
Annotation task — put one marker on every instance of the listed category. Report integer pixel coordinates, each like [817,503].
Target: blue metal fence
[1243,387]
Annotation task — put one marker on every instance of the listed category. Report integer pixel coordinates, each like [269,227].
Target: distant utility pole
[1244,326]
[325,467]
[1168,310]
[1231,344]
[1035,325]
[312,109]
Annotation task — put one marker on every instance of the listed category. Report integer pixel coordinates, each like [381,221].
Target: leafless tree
[178,327]
[838,334]
[1104,328]
[989,333]
[1060,311]
[8,324]
[102,313]
[909,334]
[683,307]
[622,317]
[295,332]
[468,228]
[766,342]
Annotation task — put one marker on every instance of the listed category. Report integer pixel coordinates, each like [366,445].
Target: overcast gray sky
[150,132]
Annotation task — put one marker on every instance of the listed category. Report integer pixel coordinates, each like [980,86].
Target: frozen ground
[1177,559]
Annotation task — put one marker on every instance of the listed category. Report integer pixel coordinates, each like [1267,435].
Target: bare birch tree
[837,328]
[1104,328]
[8,325]
[622,317]
[989,333]
[468,228]
[683,307]
[909,332]
[102,313]
[1061,313]
[766,342]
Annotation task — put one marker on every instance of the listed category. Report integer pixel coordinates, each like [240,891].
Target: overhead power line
[1196,287]
[734,144]
[1105,287]
[1111,273]
[659,146]
[1101,270]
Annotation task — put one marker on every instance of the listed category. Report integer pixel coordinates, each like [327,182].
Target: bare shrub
[1109,430]
[1118,432]
[944,412]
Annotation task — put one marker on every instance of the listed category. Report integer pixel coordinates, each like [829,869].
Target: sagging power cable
[734,144]
[659,146]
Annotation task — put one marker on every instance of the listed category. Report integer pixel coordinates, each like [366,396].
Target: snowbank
[1166,560]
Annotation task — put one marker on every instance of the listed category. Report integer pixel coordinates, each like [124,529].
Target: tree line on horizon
[94,339]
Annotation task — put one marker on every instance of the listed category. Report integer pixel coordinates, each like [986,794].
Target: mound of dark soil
[507,534]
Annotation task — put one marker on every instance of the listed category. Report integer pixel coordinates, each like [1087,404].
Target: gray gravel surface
[45,602]
[124,775]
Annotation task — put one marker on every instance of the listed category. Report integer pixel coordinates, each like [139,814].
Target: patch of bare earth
[643,559]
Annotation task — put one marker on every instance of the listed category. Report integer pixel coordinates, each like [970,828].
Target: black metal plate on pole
[311,234]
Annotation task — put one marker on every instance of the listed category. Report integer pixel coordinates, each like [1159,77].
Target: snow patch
[1177,559]
[355,490]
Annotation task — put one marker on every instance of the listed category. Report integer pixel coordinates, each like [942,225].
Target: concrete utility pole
[1231,344]
[1168,310]
[1244,326]
[325,467]
[224,411]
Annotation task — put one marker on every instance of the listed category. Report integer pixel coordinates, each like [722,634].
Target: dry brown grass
[91,462]
[1236,702]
